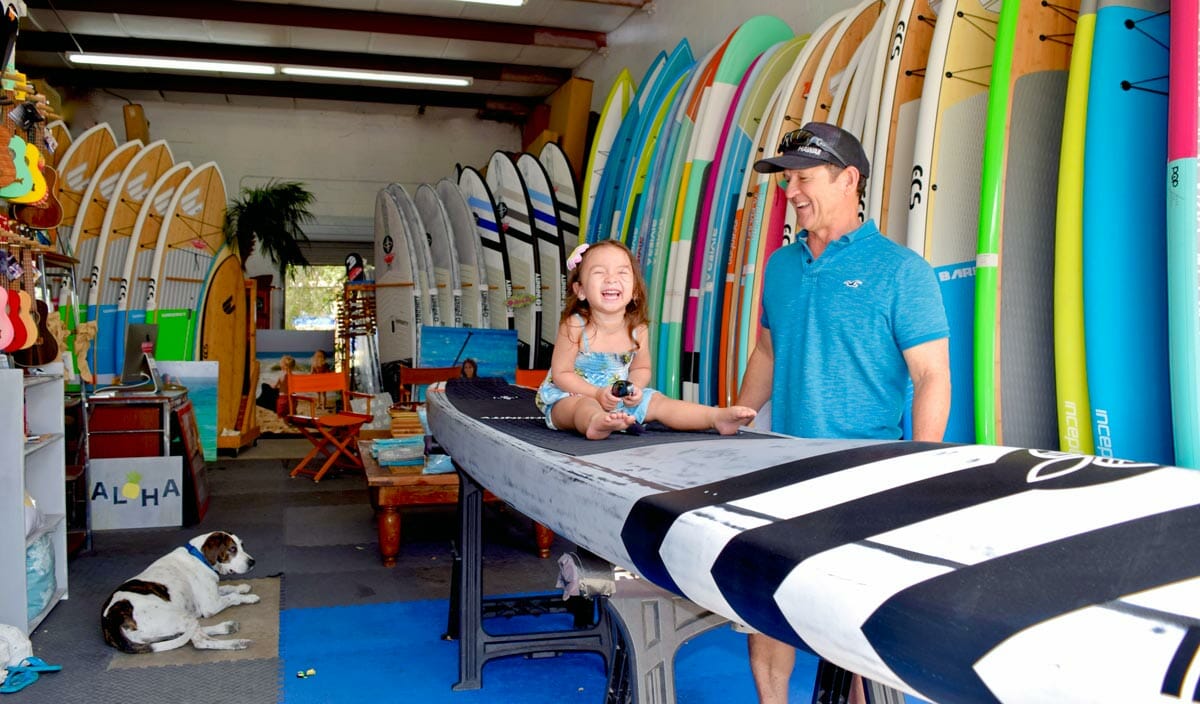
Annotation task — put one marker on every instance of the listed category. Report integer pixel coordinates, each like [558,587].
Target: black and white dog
[160,609]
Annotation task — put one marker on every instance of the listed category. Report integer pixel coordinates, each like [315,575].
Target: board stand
[469,608]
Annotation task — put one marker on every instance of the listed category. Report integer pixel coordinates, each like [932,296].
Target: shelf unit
[33,454]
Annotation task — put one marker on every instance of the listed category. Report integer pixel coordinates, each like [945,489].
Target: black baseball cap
[816,144]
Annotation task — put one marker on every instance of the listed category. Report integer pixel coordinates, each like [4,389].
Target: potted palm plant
[270,216]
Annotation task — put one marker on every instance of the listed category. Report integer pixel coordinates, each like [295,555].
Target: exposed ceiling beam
[61,43]
[331,18]
[506,109]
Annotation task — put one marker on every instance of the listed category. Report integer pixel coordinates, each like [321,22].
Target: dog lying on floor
[160,609]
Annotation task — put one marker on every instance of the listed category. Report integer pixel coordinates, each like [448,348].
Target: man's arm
[760,369]
[929,366]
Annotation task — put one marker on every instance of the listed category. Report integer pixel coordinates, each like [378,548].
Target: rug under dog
[259,622]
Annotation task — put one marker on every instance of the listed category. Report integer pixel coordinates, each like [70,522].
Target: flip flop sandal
[35,664]
[17,680]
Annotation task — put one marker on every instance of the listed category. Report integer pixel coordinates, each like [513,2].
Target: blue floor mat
[394,652]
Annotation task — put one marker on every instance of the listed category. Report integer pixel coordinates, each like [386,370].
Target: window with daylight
[311,297]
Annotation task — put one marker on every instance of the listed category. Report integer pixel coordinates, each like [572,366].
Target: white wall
[705,23]
[343,152]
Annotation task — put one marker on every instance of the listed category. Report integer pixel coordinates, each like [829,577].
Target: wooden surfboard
[76,168]
[914,564]
[943,195]
[85,233]
[900,101]
[221,336]
[188,241]
[134,183]
[1014,263]
[61,135]
[134,287]
[844,41]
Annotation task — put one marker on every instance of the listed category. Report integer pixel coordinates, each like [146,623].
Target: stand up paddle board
[914,564]
[471,274]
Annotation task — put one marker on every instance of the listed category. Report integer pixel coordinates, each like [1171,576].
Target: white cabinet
[32,459]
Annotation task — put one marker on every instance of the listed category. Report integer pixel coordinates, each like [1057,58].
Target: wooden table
[394,487]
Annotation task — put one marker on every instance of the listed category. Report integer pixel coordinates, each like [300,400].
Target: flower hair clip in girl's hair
[576,256]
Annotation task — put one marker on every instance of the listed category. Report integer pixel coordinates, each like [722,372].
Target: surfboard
[515,211]
[418,240]
[1014,269]
[611,116]
[659,218]
[636,161]
[745,44]
[615,166]
[188,241]
[495,255]
[1183,227]
[943,195]
[134,183]
[397,293]
[85,233]
[765,201]
[844,41]
[871,97]
[221,335]
[134,287]
[76,168]
[61,136]
[899,105]
[1124,297]
[727,180]
[566,195]
[448,285]
[1070,360]
[914,564]
[471,275]
[551,258]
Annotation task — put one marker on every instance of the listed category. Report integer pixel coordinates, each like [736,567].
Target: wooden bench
[396,487]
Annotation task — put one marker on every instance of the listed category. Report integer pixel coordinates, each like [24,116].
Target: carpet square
[259,622]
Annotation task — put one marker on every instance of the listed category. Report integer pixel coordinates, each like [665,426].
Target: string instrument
[46,213]
[44,347]
[7,330]
[20,304]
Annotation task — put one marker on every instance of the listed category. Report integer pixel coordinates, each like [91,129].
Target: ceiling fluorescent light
[507,3]
[177,64]
[425,79]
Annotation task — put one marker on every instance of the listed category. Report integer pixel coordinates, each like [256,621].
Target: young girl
[287,365]
[602,339]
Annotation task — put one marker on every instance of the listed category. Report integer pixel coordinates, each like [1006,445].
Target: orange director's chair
[334,435]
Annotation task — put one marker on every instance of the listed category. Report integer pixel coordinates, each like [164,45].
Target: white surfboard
[448,285]
[471,274]
[515,210]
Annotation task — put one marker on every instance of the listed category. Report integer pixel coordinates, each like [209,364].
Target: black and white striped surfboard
[959,573]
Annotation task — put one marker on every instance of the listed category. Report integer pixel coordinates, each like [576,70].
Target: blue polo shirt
[839,324]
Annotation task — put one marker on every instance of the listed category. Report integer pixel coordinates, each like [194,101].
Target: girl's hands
[634,397]
[607,401]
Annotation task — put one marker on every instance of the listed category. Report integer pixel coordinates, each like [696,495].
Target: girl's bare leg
[585,416]
[685,415]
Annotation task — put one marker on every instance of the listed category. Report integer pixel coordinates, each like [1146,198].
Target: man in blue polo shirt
[848,317]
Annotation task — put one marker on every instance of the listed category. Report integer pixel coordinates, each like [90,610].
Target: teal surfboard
[1183,229]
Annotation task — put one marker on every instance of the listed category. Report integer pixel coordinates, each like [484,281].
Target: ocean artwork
[494,352]
[200,380]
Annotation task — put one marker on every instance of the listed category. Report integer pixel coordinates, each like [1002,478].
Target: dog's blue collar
[200,556]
